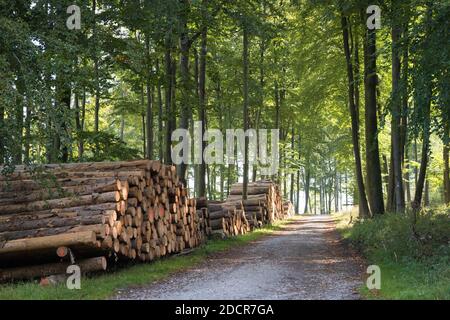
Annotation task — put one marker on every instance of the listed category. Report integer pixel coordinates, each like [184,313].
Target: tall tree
[245,66]
[373,166]
[354,114]
[396,111]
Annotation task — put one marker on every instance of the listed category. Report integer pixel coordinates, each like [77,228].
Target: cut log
[31,272]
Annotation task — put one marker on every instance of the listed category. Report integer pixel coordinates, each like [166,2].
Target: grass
[106,285]
[414,261]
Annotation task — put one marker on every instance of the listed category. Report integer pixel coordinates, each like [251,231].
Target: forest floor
[305,259]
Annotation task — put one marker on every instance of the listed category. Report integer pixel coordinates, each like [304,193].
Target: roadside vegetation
[413,252]
[106,285]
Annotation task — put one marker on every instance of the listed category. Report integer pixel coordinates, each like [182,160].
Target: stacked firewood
[227,219]
[263,204]
[136,210]
[288,209]
[204,226]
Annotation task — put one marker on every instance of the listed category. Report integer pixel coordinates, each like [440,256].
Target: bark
[246,117]
[2,134]
[82,118]
[97,76]
[78,122]
[18,118]
[22,248]
[396,134]
[149,121]
[336,191]
[202,111]
[31,272]
[27,141]
[160,115]
[307,187]
[315,196]
[425,157]
[168,97]
[291,195]
[144,136]
[354,114]
[390,203]
[277,125]
[297,203]
[425,105]
[149,110]
[407,177]
[446,164]
[374,181]
[405,112]
[185,45]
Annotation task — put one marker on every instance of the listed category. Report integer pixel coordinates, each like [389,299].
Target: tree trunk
[144,136]
[27,141]
[78,121]
[404,119]
[425,107]
[202,111]
[396,135]
[307,185]
[424,160]
[246,118]
[291,195]
[185,44]
[374,181]
[20,102]
[446,163]
[160,116]
[336,191]
[277,126]
[97,76]
[390,202]
[168,97]
[82,122]
[364,211]
[149,120]
[149,110]
[2,134]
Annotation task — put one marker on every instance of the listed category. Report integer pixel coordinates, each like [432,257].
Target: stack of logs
[288,209]
[227,219]
[204,221]
[94,212]
[263,205]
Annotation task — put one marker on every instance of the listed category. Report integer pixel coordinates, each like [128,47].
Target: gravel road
[305,260]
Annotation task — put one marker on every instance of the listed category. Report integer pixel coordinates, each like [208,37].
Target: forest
[356,92]
[363,114]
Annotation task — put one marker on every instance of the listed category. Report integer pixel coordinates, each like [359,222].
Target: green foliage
[103,146]
[397,237]
[413,255]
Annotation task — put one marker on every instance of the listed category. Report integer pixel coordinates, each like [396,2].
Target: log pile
[227,219]
[135,210]
[288,209]
[264,202]
[204,221]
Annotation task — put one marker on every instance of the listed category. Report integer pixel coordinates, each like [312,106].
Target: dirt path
[303,261]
